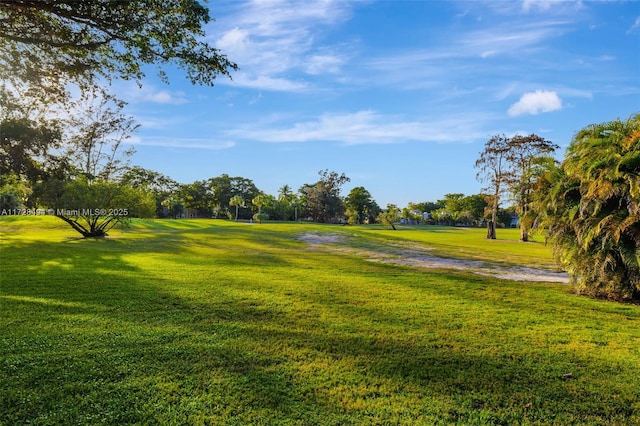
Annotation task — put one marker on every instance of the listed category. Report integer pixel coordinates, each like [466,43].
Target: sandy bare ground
[419,257]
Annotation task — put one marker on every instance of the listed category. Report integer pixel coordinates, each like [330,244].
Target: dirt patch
[321,238]
[419,257]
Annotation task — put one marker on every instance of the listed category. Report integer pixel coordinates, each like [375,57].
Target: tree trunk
[491,230]
[524,233]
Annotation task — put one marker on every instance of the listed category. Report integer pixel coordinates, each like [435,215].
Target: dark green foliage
[223,188]
[51,42]
[197,196]
[9,200]
[591,207]
[361,207]
[321,200]
[162,187]
[93,208]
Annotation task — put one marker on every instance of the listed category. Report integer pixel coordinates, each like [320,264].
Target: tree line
[586,205]
[75,165]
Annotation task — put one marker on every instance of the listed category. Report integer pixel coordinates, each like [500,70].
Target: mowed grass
[215,322]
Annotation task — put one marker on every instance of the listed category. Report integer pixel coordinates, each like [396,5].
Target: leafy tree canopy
[322,199]
[26,138]
[224,187]
[48,43]
[93,208]
[361,206]
[507,165]
[390,216]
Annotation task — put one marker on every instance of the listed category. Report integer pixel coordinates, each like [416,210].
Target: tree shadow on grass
[90,338]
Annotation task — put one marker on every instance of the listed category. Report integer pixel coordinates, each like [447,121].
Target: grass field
[216,322]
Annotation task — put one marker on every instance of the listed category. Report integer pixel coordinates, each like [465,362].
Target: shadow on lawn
[90,338]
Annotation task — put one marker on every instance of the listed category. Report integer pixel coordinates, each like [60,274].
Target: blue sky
[399,95]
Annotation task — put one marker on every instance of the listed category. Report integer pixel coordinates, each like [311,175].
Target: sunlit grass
[215,322]
[470,243]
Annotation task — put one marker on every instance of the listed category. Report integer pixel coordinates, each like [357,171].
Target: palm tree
[260,201]
[289,199]
[591,207]
[236,201]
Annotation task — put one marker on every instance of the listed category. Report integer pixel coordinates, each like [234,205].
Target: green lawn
[216,322]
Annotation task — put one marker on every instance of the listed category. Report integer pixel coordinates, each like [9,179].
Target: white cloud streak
[271,38]
[635,26]
[481,53]
[367,127]
[132,93]
[184,143]
[528,5]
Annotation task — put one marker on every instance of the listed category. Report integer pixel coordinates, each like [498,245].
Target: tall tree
[360,205]
[224,187]
[49,43]
[197,196]
[509,165]
[495,173]
[289,200]
[96,135]
[473,207]
[260,201]
[322,199]
[163,188]
[590,206]
[236,201]
[529,156]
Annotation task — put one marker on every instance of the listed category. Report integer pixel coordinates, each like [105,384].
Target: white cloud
[535,103]
[148,93]
[265,82]
[544,5]
[164,97]
[367,127]
[235,40]
[319,64]
[191,143]
[270,40]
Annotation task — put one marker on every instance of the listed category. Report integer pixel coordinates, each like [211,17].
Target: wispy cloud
[477,52]
[150,93]
[367,127]
[265,82]
[536,102]
[635,26]
[269,39]
[528,5]
[188,143]
[512,38]
[324,63]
